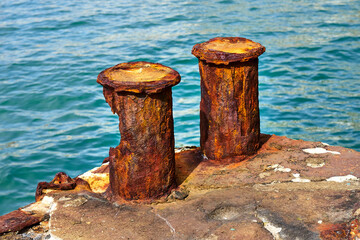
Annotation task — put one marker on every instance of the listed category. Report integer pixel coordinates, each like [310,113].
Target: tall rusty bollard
[229,107]
[142,166]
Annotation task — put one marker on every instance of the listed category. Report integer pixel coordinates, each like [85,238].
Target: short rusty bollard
[142,166]
[229,108]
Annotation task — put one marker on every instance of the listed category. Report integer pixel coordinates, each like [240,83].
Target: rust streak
[229,108]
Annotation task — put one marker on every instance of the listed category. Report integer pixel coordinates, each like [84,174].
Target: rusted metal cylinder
[142,166]
[229,107]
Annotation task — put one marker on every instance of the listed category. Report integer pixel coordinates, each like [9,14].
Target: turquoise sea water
[53,116]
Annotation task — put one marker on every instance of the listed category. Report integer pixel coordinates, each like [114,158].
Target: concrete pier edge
[289,189]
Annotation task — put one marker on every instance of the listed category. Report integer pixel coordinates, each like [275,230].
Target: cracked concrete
[274,194]
[172,230]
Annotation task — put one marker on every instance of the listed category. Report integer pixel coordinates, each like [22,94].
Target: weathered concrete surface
[283,192]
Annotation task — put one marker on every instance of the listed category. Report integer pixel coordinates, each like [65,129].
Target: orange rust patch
[138,74]
[229,110]
[225,50]
[61,181]
[138,77]
[229,107]
[16,221]
[142,166]
[225,45]
[350,231]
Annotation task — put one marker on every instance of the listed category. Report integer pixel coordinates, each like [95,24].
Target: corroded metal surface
[138,77]
[334,231]
[229,108]
[16,221]
[142,166]
[61,181]
[222,50]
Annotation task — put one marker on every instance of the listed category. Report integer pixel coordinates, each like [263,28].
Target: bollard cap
[224,50]
[139,77]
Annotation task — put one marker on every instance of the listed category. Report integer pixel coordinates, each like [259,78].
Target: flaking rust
[349,231]
[142,166]
[16,221]
[229,107]
[61,181]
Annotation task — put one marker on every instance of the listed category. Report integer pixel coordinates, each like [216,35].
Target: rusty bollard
[142,166]
[229,108]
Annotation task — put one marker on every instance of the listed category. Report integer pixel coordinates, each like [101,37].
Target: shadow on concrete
[185,162]
[264,138]
[190,157]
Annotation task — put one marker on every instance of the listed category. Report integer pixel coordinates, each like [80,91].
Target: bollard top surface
[224,50]
[139,77]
